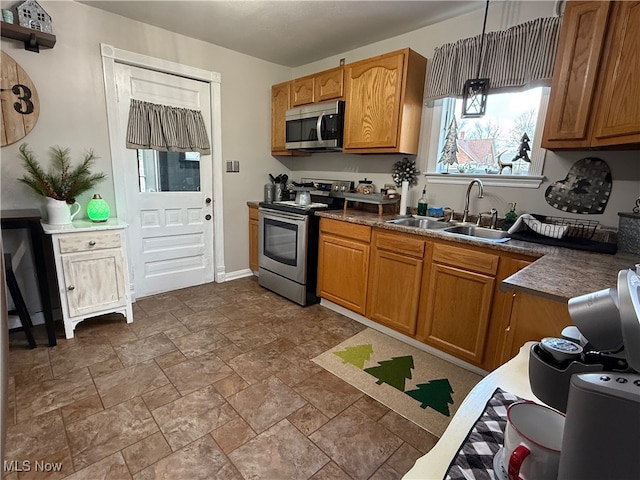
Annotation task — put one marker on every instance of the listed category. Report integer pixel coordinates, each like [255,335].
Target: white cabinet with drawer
[92,271]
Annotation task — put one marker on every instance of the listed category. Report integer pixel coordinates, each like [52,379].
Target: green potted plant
[61,183]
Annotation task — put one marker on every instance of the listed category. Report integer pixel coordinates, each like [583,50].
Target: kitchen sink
[479,232]
[426,223]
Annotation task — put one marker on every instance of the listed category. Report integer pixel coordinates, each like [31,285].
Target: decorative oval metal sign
[19,102]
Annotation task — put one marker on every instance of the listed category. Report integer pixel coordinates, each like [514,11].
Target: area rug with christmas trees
[415,384]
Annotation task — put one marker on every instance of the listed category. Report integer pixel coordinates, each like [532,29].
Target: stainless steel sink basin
[479,232]
[426,223]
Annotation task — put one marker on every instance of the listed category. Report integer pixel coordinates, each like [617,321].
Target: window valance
[166,128]
[515,57]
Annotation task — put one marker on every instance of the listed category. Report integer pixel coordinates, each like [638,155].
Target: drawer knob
[71,288]
[92,243]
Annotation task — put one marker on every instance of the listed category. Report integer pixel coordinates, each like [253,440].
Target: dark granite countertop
[558,273]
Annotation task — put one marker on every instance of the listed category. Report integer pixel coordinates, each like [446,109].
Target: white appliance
[593,374]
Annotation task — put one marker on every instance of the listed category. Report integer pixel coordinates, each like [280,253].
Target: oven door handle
[282,215]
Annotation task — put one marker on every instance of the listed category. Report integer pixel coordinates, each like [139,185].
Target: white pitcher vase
[59,212]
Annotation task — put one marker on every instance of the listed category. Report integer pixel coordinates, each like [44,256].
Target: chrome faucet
[465,214]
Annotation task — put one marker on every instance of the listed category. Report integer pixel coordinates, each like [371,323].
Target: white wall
[69,82]
[625,166]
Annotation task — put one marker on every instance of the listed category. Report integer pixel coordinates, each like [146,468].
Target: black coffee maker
[592,374]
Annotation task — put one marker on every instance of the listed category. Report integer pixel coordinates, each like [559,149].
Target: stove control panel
[333,188]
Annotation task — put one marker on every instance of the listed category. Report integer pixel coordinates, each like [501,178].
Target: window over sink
[489,146]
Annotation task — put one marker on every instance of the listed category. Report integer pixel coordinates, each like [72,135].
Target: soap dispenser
[422,203]
[510,217]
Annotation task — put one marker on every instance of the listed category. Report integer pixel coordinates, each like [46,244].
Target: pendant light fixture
[474,93]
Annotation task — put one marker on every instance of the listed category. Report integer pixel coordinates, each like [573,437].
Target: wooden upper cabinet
[329,85]
[595,78]
[319,87]
[618,115]
[280,102]
[302,91]
[384,97]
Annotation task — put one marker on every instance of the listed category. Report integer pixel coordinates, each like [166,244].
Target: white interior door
[168,195]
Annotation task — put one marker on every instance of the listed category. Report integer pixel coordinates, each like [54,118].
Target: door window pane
[168,171]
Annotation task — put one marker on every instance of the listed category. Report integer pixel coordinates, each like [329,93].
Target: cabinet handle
[92,243]
[71,288]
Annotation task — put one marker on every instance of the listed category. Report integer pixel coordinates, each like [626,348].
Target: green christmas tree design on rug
[356,355]
[393,372]
[434,393]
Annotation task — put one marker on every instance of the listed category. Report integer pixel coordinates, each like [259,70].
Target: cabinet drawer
[466,259]
[85,242]
[346,229]
[403,244]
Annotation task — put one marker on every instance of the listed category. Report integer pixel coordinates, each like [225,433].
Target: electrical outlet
[229,166]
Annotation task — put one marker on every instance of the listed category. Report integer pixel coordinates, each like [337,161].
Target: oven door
[283,243]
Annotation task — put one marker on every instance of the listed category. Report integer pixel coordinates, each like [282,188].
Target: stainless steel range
[288,233]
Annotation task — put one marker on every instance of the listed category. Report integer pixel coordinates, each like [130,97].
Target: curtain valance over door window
[515,57]
[166,128]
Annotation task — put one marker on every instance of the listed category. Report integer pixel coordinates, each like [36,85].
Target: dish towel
[546,229]
[474,460]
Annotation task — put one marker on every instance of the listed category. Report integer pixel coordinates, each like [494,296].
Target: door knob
[207,217]
[207,200]
[71,288]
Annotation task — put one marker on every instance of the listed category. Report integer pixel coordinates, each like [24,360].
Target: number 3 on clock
[24,105]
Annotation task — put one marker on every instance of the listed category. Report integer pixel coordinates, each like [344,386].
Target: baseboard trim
[227,277]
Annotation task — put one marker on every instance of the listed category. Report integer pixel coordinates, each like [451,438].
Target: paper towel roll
[403,198]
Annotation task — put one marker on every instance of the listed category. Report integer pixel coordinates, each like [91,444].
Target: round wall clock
[19,102]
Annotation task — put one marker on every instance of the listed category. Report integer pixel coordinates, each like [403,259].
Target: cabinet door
[253,238]
[533,318]
[280,98]
[575,73]
[457,312]
[618,114]
[94,281]
[329,84]
[302,91]
[373,90]
[343,268]
[394,291]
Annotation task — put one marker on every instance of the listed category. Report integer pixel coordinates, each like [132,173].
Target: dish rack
[578,229]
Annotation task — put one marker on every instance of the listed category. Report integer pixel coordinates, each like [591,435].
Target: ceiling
[289,33]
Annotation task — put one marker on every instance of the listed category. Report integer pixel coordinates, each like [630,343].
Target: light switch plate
[229,166]
[236,165]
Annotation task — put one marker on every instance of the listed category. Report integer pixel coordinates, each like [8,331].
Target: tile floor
[209,382]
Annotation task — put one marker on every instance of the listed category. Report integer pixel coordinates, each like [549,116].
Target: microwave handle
[319,127]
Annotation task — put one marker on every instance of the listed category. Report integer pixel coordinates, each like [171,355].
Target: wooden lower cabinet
[395,277]
[444,294]
[343,263]
[533,318]
[253,238]
[456,308]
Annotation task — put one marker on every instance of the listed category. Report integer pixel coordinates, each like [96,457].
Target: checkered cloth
[475,457]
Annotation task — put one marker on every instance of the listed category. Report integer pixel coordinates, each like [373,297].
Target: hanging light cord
[484,26]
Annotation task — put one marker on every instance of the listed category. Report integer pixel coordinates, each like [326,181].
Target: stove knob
[336,187]
[343,188]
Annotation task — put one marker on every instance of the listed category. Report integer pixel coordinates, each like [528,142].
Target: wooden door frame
[111,56]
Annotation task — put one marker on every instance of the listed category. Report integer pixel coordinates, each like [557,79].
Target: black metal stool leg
[18,300]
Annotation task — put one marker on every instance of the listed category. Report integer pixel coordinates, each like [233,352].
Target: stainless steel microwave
[315,127]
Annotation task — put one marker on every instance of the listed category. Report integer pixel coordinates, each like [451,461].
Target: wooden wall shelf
[33,39]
